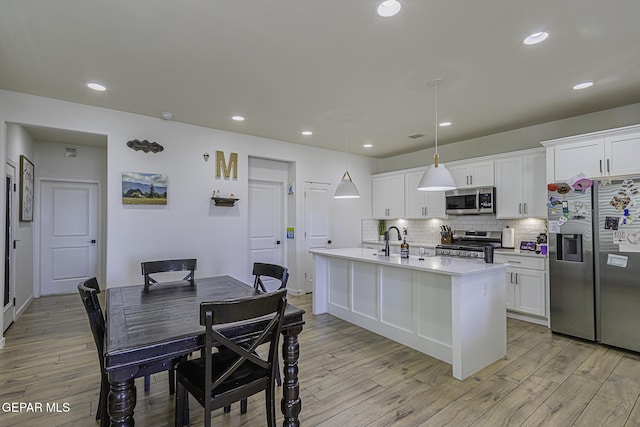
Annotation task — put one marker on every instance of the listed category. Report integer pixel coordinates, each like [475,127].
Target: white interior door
[266,226]
[68,235]
[9,307]
[317,226]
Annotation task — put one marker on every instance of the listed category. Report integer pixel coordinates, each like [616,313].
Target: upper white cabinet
[601,154]
[472,174]
[521,189]
[422,204]
[388,196]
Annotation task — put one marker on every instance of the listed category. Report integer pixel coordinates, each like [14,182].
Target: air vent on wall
[416,136]
[71,151]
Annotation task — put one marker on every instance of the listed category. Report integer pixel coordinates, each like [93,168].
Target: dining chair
[88,291]
[169,265]
[166,266]
[269,270]
[217,379]
[260,270]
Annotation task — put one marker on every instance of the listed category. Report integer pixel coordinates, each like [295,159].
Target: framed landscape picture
[26,189]
[144,188]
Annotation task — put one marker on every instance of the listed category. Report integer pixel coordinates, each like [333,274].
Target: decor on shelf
[144,188]
[346,188]
[382,228]
[26,189]
[436,177]
[145,146]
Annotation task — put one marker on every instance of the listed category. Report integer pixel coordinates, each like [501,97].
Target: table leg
[122,402]
[290,404]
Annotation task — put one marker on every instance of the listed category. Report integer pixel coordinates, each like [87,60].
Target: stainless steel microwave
[471,201]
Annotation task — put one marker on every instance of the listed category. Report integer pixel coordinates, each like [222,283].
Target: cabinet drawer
[521,261]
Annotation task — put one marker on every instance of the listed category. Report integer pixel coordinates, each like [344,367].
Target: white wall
[190,225]
[20,143]
[519,139]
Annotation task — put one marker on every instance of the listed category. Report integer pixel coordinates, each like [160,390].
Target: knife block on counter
[446,240]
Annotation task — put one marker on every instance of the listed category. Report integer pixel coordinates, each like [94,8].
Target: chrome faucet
[386,239]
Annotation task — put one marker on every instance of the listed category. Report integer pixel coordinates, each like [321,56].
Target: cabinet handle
[514,262]
[519,208]
[516,278]
[608,170]
[600,166]
[511,277]
[525,208]
[467,179]
[426,210]
[471,179]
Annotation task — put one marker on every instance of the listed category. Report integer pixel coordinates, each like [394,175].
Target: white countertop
[437,264]
[395,242]
[518,252]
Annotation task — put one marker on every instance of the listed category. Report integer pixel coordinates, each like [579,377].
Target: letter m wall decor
[223,168]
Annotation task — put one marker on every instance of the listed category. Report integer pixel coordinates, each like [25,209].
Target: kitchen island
[450,308]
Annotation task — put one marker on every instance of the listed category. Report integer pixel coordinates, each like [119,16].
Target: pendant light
[436,177]
[346,188]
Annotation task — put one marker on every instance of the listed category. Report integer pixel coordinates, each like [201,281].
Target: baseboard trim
[24,307]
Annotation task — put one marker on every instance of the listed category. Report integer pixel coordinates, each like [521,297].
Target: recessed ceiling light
[238,118]
[368,145]
[96,86]
[307,133]
[445,124]
[582,85]
[536,38]
[388,8]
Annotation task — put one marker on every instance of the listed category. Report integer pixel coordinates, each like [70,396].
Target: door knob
[277,242]
[328,242]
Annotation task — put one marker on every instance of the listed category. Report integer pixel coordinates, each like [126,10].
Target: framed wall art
[26,189]
[144,188]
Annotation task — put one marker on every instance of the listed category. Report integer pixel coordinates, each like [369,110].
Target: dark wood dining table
[147,330]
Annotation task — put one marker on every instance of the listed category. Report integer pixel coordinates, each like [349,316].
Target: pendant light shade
[346,188]
[436,177]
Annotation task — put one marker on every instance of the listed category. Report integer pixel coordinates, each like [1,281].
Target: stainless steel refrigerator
[594,262]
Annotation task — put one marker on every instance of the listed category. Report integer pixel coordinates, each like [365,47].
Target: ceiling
[294,65]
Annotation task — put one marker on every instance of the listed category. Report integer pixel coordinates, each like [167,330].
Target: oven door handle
[477,200]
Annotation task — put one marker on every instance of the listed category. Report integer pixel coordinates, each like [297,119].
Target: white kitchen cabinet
[472,174]
[525,284]
[621,153]
[388,196]
[521,190]
[422,204]
[600,154]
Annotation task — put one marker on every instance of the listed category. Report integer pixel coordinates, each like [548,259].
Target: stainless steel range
[470,244]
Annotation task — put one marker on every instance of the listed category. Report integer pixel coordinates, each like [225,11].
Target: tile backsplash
[428,230]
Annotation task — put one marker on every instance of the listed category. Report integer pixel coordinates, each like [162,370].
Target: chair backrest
[269,270]
[164,266]
[88,291]
[271,305]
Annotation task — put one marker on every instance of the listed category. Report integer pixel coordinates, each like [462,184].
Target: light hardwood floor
[348,377]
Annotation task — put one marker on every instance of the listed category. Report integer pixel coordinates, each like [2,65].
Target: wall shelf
[225,201]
